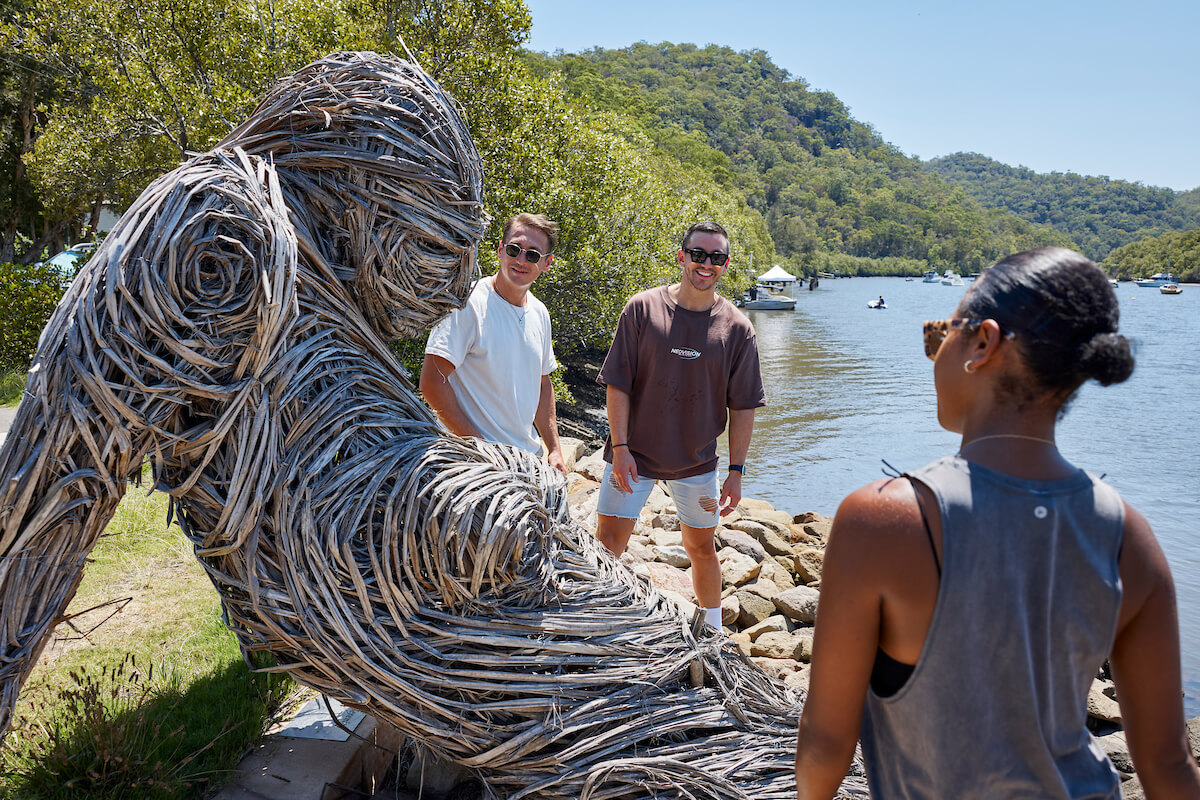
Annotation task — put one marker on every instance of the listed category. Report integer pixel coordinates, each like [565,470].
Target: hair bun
[1106,357]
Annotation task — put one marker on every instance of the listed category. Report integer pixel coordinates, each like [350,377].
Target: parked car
[68,262]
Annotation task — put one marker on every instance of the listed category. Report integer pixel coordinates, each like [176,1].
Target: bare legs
[614,533]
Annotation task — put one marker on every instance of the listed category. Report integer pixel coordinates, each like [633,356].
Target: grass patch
[145,694]
[12,385]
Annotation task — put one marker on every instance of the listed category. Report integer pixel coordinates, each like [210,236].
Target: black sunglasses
[531,255]
[698,254]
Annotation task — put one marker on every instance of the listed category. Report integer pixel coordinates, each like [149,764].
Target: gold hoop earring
[967,367]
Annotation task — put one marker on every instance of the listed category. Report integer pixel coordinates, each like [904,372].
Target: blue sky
[1099,88]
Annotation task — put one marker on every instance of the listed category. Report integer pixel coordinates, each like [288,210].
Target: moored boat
[1170,288]
[1157,279]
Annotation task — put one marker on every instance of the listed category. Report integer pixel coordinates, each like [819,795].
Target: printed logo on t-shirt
[685,352]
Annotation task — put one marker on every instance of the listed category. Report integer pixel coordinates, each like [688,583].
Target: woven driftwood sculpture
[231,331]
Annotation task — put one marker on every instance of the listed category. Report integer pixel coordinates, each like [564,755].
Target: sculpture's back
[232,331]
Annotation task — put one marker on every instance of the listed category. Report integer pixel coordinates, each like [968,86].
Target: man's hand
[731,492]
[624,470]
[556,460]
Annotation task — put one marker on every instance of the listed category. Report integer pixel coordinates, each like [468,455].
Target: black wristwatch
[738,467]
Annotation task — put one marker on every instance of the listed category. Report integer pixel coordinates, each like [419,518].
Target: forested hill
[1100,214]
[834,193]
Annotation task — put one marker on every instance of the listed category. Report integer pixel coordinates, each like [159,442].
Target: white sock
[712,616]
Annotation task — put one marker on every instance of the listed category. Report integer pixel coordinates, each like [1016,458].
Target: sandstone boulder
[799,604]
[674,555]
[731,609]
[776,623]
[737,568]
[741,541]
[777,668]
[673,579]
[753,609]
[1101,707]
[662,537]
[771,570]
[808,563]
[775,644]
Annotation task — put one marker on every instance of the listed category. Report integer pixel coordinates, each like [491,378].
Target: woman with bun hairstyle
[966,607]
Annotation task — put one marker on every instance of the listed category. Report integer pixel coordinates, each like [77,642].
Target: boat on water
[876,304]
[930,276]
[952,278]
[1158,279]
[1170,288]
[764,297]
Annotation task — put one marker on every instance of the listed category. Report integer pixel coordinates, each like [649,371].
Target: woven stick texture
[232,330]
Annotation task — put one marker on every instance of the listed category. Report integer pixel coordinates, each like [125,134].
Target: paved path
[6,418]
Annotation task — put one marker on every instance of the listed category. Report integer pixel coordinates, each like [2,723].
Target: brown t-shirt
[681,369]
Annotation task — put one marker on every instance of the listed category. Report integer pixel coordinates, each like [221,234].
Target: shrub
[28,295]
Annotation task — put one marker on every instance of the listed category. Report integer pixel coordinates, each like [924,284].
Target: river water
[848,386]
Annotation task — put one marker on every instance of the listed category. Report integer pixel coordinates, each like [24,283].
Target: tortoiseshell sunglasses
[937,330]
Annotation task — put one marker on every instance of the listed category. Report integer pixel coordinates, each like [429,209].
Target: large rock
[674,554]
[742,641]
[814,524]
[731,609]
[671,578]
[777,521]
[1117,749]
[662,537]
[753,609]
[1193,734]
[755,529]
[798,679]
[1102,707]
[688,607]
[737,568]
[804,639]
[771,570]
[659,501]
[572,450]
[799,604]
[751,505]
[742,542]
[775,644]
[808,563]
[591,466]
[667,522]
[636,553]
[777,668]
[776,623]
[763,588]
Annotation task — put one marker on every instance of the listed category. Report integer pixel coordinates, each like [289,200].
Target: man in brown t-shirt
[683,361]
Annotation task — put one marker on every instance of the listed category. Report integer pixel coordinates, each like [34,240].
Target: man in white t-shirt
[487,366]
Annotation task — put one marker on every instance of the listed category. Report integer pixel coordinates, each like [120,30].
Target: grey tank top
[996,706]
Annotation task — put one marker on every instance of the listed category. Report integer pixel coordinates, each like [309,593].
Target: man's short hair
[539,222]
[707,226]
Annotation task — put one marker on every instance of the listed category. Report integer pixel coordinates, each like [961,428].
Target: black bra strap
[925,521]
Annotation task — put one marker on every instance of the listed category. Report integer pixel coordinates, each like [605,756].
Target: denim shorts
[686,492]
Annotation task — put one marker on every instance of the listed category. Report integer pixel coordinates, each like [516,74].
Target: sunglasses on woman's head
[531,255]
[698,254]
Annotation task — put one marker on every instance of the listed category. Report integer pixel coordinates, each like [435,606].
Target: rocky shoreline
[771,564]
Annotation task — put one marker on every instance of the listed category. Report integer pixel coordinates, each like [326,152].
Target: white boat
[1170,288]
[1155,280]
[876,304]
[931,276]
[765,297]
[952,278]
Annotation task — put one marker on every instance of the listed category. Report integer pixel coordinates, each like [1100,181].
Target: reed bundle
[232,330]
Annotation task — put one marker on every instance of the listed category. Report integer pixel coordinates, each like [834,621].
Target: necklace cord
[1008,436]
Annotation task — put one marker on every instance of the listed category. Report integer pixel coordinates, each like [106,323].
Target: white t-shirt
[500,353]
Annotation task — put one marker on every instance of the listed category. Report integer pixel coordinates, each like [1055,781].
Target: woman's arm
[1145,663]
[846,638]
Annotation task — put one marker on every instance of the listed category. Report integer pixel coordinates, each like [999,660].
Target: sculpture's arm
[156,352]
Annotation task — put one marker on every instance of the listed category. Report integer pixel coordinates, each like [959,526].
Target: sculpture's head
[378,165]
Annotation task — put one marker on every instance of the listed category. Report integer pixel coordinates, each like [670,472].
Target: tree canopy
[826,183]
[1099,213]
